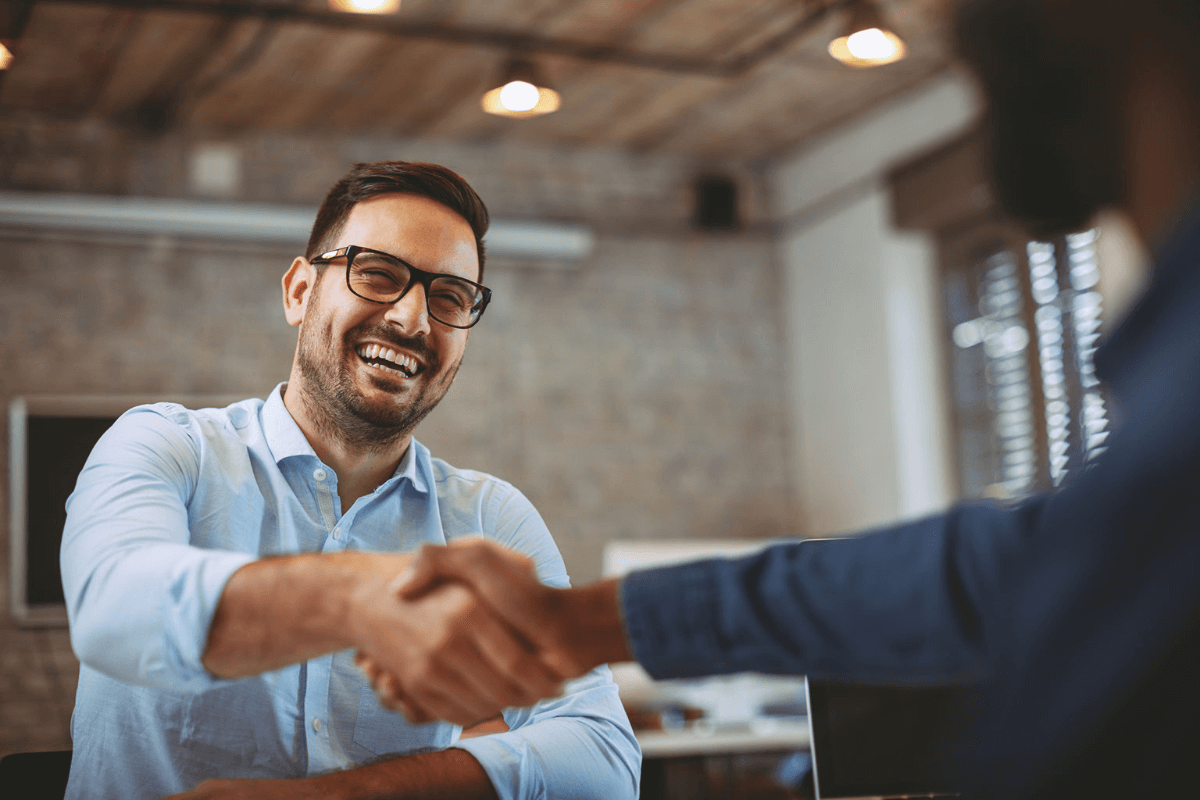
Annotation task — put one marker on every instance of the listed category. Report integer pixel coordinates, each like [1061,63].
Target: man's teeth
[394,362]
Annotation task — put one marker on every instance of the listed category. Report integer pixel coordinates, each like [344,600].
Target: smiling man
[224,567]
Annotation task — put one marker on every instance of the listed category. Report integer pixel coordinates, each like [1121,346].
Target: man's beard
[336,407]
[1052,116]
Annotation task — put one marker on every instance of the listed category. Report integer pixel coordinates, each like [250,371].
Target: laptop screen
[885,741]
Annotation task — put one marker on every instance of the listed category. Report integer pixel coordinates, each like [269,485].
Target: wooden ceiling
[722,79]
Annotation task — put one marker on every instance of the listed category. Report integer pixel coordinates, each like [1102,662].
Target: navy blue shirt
[1076,612]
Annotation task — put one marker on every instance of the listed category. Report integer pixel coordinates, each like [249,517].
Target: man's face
[1050,69]
[350,381]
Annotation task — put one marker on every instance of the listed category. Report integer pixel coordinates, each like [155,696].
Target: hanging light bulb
[866,41]
[521,92]
[366,6]
[519,96]
[6,56]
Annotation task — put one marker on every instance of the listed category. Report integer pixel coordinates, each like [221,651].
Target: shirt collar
[286,440]
[416,467]
[283,435]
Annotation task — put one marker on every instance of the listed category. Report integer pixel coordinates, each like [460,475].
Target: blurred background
[743,289]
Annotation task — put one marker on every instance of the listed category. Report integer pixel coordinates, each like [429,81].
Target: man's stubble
[333,402]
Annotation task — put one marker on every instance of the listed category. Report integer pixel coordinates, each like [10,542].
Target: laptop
[869,741]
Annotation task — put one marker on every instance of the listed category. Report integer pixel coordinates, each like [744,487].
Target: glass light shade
[519,96]
[6,57]
[521,93]
[366,6]
[871,47]
[547,102]
[866,41]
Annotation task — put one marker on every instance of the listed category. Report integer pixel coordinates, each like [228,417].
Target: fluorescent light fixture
[536,240]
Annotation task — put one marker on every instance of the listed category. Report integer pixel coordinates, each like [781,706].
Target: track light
[521,92]
[366,6]
[866,41]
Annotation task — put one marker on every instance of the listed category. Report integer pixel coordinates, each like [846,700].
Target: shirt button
[317,724]
[319,474]
[337,533]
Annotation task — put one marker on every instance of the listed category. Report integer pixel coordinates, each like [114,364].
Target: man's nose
[411,312]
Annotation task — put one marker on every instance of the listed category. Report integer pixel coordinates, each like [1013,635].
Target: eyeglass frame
[415,275]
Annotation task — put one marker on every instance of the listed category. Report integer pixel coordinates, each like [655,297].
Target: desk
[762,736]
[701,763]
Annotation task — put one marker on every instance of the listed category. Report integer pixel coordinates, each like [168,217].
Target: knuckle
[515,662]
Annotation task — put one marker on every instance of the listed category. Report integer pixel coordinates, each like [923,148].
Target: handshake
[481,633]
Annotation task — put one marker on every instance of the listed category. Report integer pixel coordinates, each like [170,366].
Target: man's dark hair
[365,181]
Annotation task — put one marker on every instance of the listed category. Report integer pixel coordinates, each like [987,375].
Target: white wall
[863,317]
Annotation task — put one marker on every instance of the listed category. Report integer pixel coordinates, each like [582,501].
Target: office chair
[35,776]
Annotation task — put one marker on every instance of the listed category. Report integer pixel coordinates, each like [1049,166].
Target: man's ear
[298,284]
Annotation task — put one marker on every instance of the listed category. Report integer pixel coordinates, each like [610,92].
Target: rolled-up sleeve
[139,597]
[579,745]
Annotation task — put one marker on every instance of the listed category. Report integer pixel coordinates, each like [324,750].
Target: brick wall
[639,394]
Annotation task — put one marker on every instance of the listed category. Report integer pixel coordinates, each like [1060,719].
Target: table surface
[762,735]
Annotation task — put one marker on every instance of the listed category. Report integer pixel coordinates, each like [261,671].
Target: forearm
[593,629]
[915,602]
[579,745]
[281,610]
[448,774]
[444,775]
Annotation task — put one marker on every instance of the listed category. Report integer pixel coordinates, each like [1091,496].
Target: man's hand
[453,657]
[569,630]
[445,655]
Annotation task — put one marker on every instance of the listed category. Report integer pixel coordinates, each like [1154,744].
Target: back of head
[1056,78]
[365,181]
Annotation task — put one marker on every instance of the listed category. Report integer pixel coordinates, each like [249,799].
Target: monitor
[885,741]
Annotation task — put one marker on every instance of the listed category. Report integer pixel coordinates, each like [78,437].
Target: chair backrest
[35,776]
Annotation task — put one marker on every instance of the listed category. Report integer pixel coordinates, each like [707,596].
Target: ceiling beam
[488,37]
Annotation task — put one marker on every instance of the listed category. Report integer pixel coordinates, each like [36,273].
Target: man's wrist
[592,628]
[368,579]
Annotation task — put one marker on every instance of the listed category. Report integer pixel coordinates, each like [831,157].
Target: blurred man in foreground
[1077,612]
[222,566]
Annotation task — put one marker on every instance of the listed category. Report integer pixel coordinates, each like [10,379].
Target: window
[1023,320]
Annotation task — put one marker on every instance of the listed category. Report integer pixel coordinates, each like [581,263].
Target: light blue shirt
[170,504]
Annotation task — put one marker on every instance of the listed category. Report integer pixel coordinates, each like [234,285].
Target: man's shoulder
[474,491]
[448,476]
[234,416]
[201,426]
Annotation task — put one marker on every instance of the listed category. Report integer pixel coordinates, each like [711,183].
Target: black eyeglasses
[382,278]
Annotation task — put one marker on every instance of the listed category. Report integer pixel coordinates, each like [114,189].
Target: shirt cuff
[509,765]
[193,594]
[668,615]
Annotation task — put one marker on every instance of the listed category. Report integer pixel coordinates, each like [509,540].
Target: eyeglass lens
[381,278]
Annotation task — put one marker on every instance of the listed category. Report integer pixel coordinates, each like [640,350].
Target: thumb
[435,564]
[419,577]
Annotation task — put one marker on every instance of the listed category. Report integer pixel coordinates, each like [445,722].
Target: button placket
[325,498]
